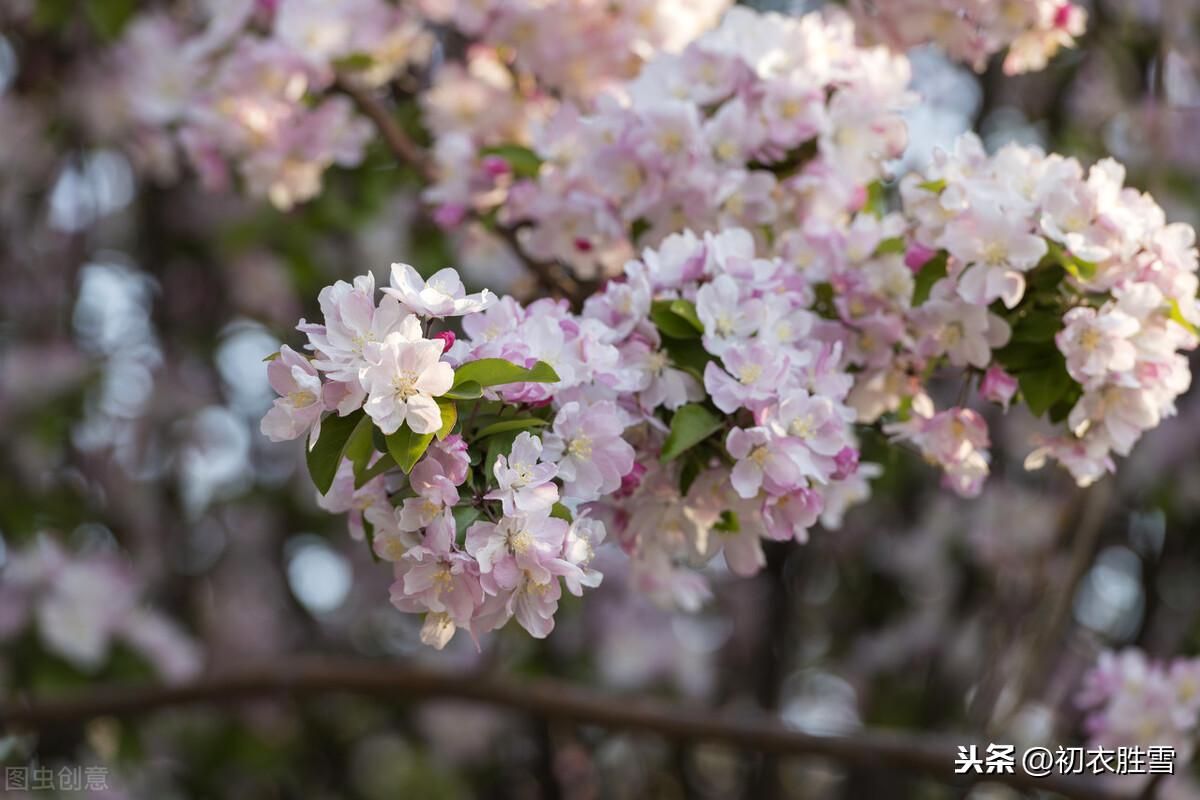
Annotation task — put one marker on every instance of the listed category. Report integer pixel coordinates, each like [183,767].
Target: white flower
[402,384]
[442,295]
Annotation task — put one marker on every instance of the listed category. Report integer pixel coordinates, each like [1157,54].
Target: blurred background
[134,318]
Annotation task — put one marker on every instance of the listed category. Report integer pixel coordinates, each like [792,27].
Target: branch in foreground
[408,152]
[931,756]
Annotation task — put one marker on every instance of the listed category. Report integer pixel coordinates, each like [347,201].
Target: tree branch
[550,276]
[405,149]
[302,676]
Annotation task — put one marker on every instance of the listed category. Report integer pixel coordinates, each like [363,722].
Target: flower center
[952,334]
[1090,339]
[801,427]
[995,253]
[405,385]
[519,542]
[301,398]
[581,447]
[749,373]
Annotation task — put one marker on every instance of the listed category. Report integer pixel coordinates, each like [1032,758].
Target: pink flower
[524,482]
[526,545]
[1097,343]
[998,386]
[587,445]
[442,295]
[433,576]
[761,458]
[755,374]
[299,407]
[403,383]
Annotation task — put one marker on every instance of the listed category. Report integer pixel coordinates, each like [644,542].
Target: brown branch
[549,276]
[405,149]
[302,676]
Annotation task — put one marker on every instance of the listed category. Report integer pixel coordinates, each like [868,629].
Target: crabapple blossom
[442,295]
[972,30]
[402,384]
[83,605]
[998,386]
[586,444]
[1132,700]
[526,545]
[300,404]
[761,458]
[523,481]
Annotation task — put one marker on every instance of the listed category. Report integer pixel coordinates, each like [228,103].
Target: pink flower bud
[998,387]
[449,215]
[1062,16]
[632,480]
[495,166]
[583,245]
[447,338]
[918,255]
[847,463]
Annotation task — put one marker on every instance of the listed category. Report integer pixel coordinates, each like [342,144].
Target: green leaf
[108,17]
[515,424]
[498,445]
[496,371]
[1177,317]
[449,417]
[933,186]
[381,466]
[369,535]
[728,522]
[686,309]
[671,323]
[524,162]
[561,512]
[1037,326]
[692,424]
[1017,357]
[407,447]
[1076,266]
[895,245]
[360,446]
[688,355]
[692,467]
[876,199]
[269,358]
[823,304]
[354,62]
[326,455]
[464,516]
[932,272]
[1045,386]
[467,390]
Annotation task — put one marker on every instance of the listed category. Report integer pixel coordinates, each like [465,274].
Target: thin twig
[549,276]
[302,676]
[404,148]
[1093,502]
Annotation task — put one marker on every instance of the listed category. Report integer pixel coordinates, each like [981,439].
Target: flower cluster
[1092,291]
[972,31]
[247,91]
[83,606]
[765,120]
[694,407]
[574,50]
[485,110]
[1135,701]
